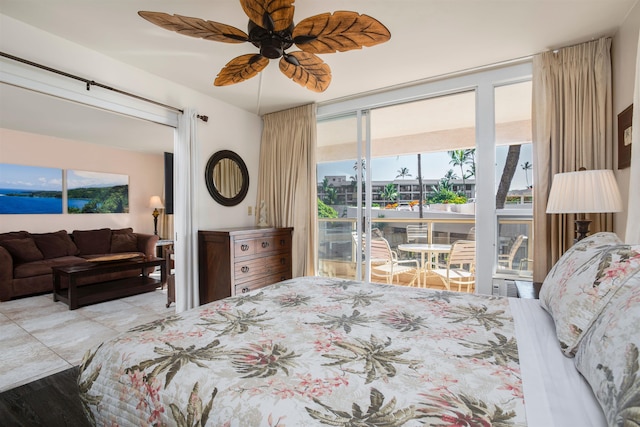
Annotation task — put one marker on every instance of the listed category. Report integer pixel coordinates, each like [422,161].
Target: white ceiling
[428,38]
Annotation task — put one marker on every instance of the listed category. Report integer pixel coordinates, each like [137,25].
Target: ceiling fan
[272,30]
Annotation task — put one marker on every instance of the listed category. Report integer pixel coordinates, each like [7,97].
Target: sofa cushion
[14,235]
[123,242]
[43,267]
[122,230]
[22,250]
[55,245]
[91,242]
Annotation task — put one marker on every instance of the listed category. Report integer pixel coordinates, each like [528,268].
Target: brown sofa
[26,258]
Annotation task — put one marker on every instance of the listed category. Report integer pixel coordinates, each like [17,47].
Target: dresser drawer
[242,248]
[258,267]
[261,282]
[262,245]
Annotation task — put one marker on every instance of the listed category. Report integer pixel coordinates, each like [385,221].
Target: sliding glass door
[388,170]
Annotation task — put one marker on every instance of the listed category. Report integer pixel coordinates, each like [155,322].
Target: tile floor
[39,337]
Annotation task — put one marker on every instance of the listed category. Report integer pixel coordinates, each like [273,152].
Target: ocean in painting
[77,203]
[30,202]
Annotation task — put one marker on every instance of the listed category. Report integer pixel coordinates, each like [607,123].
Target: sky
[86,179]
[434,166]
[33,178]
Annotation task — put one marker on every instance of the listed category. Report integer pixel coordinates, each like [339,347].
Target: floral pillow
[608,356]
[578,286]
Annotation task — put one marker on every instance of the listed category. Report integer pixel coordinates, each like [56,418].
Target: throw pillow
[577,287]
[91,242]
[122,230]
[14,235]
[22,250]
[608,355]
[124,242]
[55,245]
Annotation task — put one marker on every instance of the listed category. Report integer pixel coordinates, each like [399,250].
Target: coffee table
[75,296]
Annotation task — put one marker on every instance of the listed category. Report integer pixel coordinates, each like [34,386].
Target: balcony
[337,256]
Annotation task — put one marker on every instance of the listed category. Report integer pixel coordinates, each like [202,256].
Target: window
[514,180]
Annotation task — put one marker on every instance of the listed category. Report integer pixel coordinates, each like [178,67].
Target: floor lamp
[155,203]
[582,192]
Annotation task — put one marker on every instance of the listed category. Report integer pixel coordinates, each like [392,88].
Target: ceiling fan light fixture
[272,44]
[325,33]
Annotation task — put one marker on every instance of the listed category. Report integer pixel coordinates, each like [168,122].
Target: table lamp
[156,203]
[582,192]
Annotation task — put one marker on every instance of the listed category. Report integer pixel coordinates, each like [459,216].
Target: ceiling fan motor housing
[272,44]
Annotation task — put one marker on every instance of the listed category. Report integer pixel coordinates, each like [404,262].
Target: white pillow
[578,286]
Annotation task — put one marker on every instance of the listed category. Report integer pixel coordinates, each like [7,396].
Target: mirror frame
[208,178]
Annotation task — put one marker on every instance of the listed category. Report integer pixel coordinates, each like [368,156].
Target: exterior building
[344,191]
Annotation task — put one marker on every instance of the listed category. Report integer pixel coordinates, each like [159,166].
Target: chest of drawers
[236,260]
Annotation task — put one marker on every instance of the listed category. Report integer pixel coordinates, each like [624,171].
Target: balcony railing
[336,246]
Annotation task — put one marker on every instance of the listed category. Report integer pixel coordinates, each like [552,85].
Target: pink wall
[145,171]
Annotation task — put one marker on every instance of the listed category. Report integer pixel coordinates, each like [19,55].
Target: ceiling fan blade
[342,31]
[307,70]
[240,69]
[273,15]
[196,27]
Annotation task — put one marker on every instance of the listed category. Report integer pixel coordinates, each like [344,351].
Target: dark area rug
[51,401]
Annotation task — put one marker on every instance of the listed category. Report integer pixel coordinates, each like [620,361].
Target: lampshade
[586,191]
[156,203]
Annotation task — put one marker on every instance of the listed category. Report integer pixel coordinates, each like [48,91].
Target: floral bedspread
[314,351]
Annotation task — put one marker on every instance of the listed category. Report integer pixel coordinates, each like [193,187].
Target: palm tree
[459,158]
[331,196]
[448,177]
[526,166]
[403,172]
[389,192]
[471,161]
[510,166]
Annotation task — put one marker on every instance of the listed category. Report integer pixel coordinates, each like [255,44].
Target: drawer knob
[244,269]
[283,261]
[265,244]
[244,247]
[245,290]
[282,242]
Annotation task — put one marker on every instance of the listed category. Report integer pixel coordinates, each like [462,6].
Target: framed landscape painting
[30,189]
[97,192]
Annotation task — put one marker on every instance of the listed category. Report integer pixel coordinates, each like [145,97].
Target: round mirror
[227,178]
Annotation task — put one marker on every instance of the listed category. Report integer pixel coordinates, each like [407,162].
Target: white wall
[623,52]
[145,171]
[228,128]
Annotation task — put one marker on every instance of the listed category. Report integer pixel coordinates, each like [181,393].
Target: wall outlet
[250,210]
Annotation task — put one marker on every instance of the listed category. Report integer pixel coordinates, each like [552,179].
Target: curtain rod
[88,82]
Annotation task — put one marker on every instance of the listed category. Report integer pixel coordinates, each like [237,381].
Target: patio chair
[417,233]
[460,267]
[506,260]
[385,263]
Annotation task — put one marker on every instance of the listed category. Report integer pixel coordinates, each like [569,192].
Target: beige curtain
[633,211]
[227,177]
[572,128]
[165,226]
[287,180]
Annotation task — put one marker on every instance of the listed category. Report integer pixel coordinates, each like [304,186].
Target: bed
[319,351]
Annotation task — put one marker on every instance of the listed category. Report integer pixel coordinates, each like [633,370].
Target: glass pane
[337,197]
[514,180]
[423,182]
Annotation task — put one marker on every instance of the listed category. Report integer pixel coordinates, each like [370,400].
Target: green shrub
[325,211]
